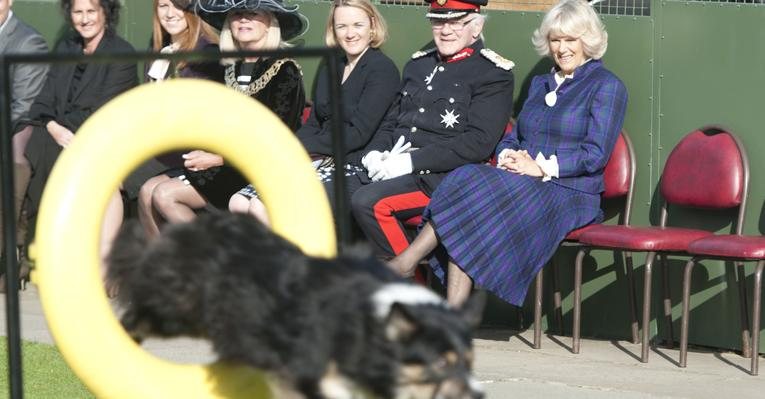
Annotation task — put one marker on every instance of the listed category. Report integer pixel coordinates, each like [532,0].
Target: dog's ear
[472,310]
[401,324]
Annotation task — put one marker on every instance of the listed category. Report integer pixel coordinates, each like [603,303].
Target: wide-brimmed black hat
[291,22]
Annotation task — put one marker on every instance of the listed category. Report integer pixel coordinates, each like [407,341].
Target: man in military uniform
[452,109]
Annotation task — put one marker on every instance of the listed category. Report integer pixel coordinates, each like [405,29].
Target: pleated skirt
[502,228]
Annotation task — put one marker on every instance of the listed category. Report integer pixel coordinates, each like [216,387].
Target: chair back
[306,113]
[707,169]
[619,174]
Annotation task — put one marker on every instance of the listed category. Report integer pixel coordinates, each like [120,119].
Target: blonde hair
[378,27]
[573,18]
[273,37]
[189,38]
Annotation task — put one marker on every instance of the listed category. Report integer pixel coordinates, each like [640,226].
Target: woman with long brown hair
[175,28]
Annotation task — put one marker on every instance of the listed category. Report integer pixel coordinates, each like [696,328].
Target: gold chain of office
[261,82]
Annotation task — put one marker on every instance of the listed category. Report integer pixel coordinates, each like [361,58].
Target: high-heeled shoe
[24,270]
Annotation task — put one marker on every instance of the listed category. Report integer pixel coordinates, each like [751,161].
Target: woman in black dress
[175,27]
[277,83]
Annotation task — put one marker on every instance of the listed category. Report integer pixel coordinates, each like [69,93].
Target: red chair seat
[642,238]
[730,246]
[413,221]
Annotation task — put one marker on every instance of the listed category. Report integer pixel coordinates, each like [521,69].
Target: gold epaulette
[422,53]
[498,60]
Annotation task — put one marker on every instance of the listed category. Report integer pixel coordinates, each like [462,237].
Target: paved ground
[508,367]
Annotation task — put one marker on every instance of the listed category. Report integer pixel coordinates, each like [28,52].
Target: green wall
[686,65]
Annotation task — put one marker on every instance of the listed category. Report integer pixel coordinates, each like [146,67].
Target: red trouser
[381,209]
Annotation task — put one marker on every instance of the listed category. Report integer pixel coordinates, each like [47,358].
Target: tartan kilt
[501,228]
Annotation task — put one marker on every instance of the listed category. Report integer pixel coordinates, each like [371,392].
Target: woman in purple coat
[497,227]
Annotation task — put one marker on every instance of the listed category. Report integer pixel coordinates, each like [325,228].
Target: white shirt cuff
[549,166]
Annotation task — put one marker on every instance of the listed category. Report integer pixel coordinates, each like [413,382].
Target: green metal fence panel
[710,62]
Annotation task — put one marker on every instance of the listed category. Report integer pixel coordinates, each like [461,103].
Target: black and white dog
[339,328]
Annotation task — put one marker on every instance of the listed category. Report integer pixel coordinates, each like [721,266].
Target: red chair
[707,169]
[619,179]
[737,248]
[306,112]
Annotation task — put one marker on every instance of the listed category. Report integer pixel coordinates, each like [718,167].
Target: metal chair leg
[632,298]
[686,306]
[757,295]
[577,299]
[647,307]
[746,334]
[538,311]
[557,302]
[667,301]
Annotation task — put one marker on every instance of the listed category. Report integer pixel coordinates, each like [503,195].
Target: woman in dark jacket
[277,83]
[370,81]
[73,92]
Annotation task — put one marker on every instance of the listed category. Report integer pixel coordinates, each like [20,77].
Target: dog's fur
[329,328]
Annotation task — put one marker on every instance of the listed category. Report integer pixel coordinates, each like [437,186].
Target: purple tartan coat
[500,227]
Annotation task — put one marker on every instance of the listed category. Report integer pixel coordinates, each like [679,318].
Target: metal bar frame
[342,223]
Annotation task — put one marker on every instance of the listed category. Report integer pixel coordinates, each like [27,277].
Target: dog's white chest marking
[405,294]
[334,385]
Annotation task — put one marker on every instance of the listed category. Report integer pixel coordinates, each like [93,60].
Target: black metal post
[338,148]
[9,245]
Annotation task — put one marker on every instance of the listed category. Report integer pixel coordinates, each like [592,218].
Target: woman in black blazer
[370,81]
[73,92]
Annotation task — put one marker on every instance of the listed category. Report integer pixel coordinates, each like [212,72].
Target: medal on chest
[449,119]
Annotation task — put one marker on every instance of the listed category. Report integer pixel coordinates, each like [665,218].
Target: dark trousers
[382,208]
[352,183]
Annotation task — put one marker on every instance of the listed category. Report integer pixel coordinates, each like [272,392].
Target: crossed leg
[176,201]
[458,283]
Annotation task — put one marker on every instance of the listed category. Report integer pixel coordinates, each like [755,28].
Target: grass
[46,375]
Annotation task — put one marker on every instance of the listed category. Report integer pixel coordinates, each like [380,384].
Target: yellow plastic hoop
[133,127]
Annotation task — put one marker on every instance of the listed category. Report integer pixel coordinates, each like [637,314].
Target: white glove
[372,157]
[393,166]
[373,162]
[400,147]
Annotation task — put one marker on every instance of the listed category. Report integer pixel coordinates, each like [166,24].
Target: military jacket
[454,111]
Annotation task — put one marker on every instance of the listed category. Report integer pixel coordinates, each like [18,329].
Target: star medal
[449,119]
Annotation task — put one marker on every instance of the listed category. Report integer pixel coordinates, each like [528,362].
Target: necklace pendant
[551,98]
